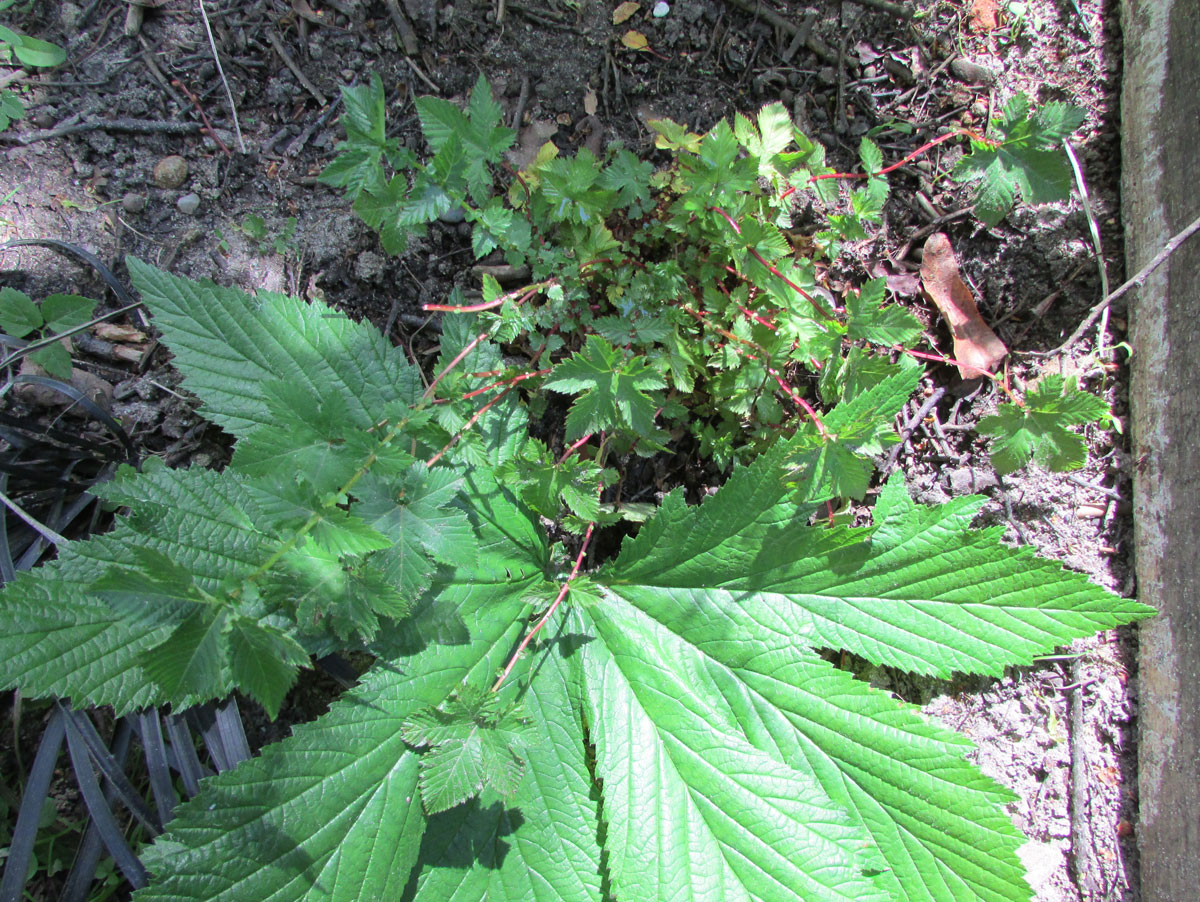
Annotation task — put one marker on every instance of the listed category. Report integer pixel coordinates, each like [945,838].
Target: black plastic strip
[86,256]
[102,816]
[340,669]
[87,857]
[190,770]
[204,720]
[20,849]
[233,734]
[8,569]
[155,750]
[112,770]
[87,404]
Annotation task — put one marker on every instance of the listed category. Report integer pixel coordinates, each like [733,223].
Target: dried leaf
[589,103]
[635,40]
[901,281]
[982,16]
[624,11]
[976,346]
[532,138]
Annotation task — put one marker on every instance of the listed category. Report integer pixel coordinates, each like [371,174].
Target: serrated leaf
[229,347]
[1038,431]
[540,844]
[1026,159]
[365,117]
[871,156]
[732,599]
[188,663]
[673,136]
[66,311]
[867,319]
[472,743]
[613,390]
[54,359]
[834,463]
[693,810]
[19,315]
[335,812]
[357,169]
[265,662]
[629,177]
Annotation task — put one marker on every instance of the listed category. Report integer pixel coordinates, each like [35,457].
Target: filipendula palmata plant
[671,730]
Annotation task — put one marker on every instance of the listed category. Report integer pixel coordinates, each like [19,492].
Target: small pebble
[170,172]
[661,8]
[188,204]
[453,215]
[1089,512]
[133,202]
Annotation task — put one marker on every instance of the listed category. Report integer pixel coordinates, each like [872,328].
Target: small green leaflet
[546,485]
[471,741]
[19,315]
[478,132]
[614,390]
[1039,429]
[867,319]
[629,177]
[357,167]
[836,464]
[11,109]
[1027,159]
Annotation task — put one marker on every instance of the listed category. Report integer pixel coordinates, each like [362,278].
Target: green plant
[1037,429]
[1027,161]
[254,227]
[660,726]
[680,293]
[21,317]
[28,51]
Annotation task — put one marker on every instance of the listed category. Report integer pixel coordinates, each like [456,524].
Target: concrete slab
[1160,196]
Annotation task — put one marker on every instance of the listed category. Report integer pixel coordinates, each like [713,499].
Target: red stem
[467,425]
[512,380]
[471,345]
[562,593]
[575,447]
[773,269]
[970,133]
[488,305]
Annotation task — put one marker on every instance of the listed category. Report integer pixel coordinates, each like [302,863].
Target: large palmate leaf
[232,352]
[710,627]
[335,812]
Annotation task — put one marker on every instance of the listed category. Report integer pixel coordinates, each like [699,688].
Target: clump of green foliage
[659,724]
[679,291]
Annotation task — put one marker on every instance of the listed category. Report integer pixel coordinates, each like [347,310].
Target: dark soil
[853,68]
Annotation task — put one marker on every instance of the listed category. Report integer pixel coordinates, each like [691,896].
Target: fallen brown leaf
[624,11]
[976,347]
[901,281]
